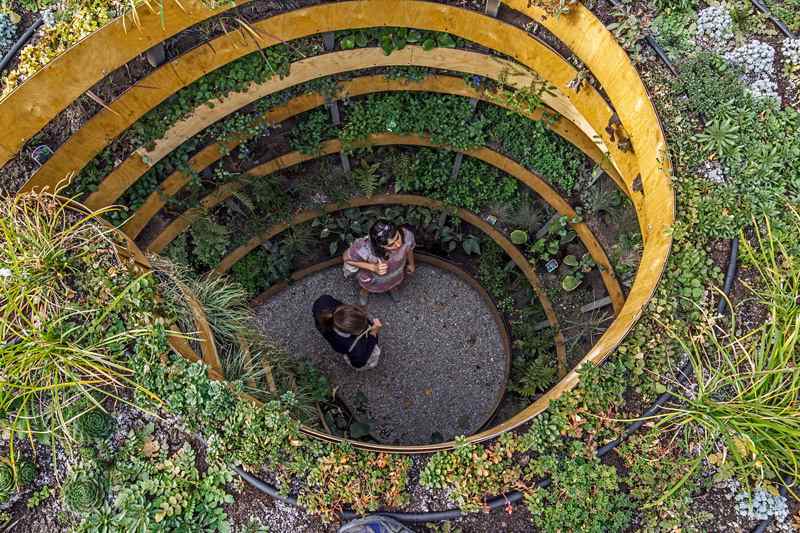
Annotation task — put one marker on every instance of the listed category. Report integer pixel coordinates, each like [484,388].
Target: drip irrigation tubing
[24,38]
[513,497]
[761,6]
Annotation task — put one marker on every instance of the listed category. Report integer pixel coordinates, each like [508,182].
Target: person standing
[349,331]
[381,259]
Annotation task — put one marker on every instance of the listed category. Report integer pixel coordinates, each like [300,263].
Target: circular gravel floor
[442,366]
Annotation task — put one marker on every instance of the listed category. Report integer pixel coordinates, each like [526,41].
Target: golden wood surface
[356,87]
[487,31]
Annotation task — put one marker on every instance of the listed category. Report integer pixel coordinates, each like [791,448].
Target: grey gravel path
[442,364]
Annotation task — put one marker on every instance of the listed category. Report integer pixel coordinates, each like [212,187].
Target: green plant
[448,120]
[584,495]
[84,491]
[559,233]
[532,376]
[311,131]
[71,315]
[519,237]
[720,136]
[746,392]
[363,480]
[38,497]
[7,484]
[472,472]
[628,29]
[209,240]
[534,146]
[367,178]
[26,472]
[391,39]
[95,425]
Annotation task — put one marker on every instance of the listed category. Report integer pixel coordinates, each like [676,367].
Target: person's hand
[376,325]
[380,268]
[410,268]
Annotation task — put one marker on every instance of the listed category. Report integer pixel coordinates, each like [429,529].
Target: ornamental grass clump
[71,315]
[748,384]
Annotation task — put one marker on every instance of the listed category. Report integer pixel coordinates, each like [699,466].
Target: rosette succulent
[83,493]
[27,472]
[95,425]
[6,481]
[8,31]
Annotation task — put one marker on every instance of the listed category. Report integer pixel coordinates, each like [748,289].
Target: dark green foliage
[448,120]
[477,185]
[391,39]
[674,30]
[209,242]
[494,267]
[26,472]
[311,130]
[534,146]
[584,495]
[95,425]
[261,268]
[532,376]
[153,490]
[367,178]
[602,386]
[233,77]
[84,491]
[756,142]
[6,481]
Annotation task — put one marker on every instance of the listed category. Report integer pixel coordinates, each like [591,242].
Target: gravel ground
[442,364]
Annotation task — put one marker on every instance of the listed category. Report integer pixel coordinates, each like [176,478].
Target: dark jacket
[360,353]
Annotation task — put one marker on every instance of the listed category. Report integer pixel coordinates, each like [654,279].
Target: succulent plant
[8,31]
[26,472]
[715,25]
[761,505]
[6,481]
[83,493]
[95,425]
[791,52]
[757,59]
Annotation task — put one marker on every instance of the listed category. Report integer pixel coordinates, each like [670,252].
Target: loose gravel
[442,365]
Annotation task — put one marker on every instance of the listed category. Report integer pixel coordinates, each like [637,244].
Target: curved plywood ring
[593,44]
[436,262]
[410,199]
[356,87]
[505,38]
[529,178]
[33,104]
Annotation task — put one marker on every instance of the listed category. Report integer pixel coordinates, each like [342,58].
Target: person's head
[347,319]
[385,237]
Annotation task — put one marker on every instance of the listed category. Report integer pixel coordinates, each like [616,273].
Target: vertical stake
[329,43]
[492,6]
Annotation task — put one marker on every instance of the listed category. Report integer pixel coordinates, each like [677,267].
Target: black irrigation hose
[19,44]
[515,496]
[775,20]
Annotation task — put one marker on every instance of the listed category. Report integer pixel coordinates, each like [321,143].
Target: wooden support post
[492,6]
[329,42]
